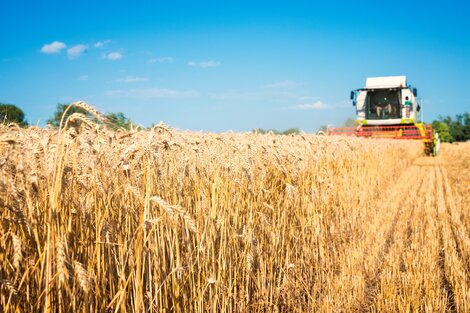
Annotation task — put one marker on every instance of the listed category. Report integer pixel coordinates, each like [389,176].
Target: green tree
[323,129]
[265,131]
[276,132]
[350,122]
[55,121]
[10,113]
[443,129]
[113,120]
[118,121]
[458,128]
[259,131]
[466,122]
[291,131]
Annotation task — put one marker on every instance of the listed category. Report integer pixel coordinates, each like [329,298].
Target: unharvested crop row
[160,220]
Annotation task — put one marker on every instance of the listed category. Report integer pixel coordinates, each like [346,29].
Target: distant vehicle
[387,107]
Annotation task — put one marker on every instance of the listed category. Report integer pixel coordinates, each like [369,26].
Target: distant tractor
[388,108]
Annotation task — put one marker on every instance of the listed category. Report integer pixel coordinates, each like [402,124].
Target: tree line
[449,129]
[10,113]
[288,131]
[453,129]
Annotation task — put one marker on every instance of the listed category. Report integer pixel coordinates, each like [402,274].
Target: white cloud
[113,56]
[308,98]
[53,47]
[283,85]
[76,51]
[83,77]
[160,60]
[204,64]
[153,93]
[101,44]
[132,79]
[319,105]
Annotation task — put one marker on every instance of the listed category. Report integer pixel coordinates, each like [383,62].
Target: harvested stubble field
[94,220]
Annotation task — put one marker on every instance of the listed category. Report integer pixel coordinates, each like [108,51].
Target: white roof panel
[386,82]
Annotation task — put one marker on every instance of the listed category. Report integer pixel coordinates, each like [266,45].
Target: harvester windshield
[383,104]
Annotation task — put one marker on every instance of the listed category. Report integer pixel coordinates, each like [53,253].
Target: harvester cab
[388,107]
[386,101]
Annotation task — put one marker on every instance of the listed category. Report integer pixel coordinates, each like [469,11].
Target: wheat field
[94,220]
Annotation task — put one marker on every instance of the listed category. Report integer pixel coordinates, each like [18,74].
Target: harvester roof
[386,82]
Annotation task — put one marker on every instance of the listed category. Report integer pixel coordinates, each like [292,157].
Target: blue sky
[219,65]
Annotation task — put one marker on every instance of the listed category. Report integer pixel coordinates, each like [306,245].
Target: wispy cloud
[76,51]
[256,95]
[307,98]
[153,93]
[318,105]
[53,47]
[282,85]
[101,44]
[113,56]
[160,60]
[83,77]
[204,64]
[131,79]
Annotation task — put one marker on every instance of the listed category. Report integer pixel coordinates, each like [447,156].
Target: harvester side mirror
[354,103]
[352,95]
[415,92]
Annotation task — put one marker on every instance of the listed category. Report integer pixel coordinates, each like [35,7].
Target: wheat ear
[17,254]
[61,259]
[82,276]
[171,209]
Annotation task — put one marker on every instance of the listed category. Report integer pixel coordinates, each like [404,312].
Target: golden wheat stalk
[81,276]
[73,118]
[17,253]
[85,106]
[61,261]
[161,127]
[171,209]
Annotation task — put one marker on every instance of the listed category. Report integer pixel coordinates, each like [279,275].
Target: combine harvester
[388,108]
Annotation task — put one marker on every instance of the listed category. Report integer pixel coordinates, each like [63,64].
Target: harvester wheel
[429,148]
